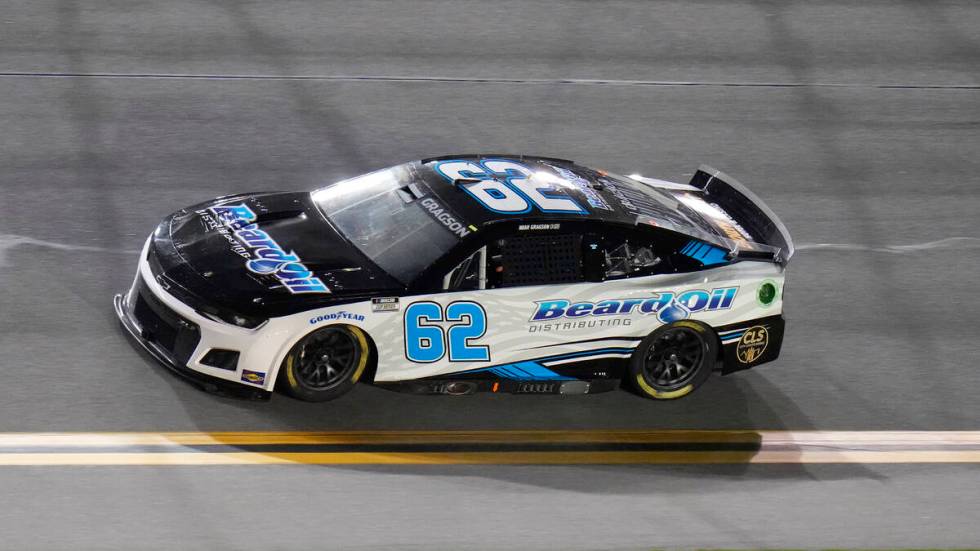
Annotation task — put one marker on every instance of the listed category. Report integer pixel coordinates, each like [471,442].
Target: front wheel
[325,364]
[673,360]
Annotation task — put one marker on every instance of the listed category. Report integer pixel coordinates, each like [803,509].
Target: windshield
[381,215]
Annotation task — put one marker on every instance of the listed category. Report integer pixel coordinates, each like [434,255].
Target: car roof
[606,197]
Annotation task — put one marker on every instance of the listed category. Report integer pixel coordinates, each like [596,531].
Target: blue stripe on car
[588,353]
[532,370]
[707,255]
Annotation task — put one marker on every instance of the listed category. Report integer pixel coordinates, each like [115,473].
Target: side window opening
[554,258]
[468,275]
[540,259]
[626,253]
[629,259]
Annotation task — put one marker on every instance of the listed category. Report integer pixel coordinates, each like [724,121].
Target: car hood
[269,252]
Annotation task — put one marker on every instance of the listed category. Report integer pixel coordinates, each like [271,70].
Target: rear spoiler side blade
[748,211]
[737,249]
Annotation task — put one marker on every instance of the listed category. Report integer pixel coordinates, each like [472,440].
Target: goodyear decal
[336,316]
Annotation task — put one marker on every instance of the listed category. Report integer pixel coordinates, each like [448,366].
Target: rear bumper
[750,343]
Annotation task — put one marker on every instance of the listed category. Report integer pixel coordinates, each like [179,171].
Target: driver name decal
[444,217]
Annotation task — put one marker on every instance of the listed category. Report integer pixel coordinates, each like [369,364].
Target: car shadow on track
[744,402]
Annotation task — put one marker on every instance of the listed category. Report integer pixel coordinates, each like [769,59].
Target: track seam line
[491,80]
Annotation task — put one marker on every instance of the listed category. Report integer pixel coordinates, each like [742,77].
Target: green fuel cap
[767,293]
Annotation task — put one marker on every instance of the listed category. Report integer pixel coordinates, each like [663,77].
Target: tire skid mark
[956,243]
[9,241]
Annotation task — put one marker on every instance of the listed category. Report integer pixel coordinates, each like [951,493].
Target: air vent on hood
[264,217]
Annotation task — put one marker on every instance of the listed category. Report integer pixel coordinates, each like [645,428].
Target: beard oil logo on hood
[667,306]
[269,258]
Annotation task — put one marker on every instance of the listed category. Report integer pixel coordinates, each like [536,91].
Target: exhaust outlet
[459,388]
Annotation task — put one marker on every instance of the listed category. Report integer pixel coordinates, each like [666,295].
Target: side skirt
[588,376]
[462,387]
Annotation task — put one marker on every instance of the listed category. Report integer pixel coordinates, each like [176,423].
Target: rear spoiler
[744,224]
[746,209]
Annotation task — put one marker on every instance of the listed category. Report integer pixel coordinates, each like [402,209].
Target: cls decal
[426,341]
[753,344]
[509,187]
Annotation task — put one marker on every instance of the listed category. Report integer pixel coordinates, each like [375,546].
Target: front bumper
[165,357]
[179,338]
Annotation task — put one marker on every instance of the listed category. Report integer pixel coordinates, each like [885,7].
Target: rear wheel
[325,364]
[673,360]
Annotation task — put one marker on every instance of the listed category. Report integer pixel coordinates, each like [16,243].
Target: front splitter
[207,383]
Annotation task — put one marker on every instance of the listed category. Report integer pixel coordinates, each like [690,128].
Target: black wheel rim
[326,358]
[674,358]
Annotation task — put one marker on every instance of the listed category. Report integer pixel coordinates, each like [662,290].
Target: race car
[462,274]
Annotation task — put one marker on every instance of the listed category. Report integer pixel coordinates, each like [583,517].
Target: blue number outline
[466,346]
[527,198]
[418,324]
[487,175]
[446,338]
[505,179]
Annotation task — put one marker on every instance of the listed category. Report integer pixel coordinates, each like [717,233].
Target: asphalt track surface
[857,121]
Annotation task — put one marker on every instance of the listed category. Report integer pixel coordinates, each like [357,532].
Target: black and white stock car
[468,273]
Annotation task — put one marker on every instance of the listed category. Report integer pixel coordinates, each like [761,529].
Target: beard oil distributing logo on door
[752,344]
[667,306]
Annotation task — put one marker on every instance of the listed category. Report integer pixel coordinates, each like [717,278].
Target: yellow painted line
[764,438]
[485,458]
[172,448]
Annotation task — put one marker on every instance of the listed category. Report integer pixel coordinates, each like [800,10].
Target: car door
[480,315]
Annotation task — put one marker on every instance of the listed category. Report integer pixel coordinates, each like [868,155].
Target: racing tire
[674,360]
[325,364]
